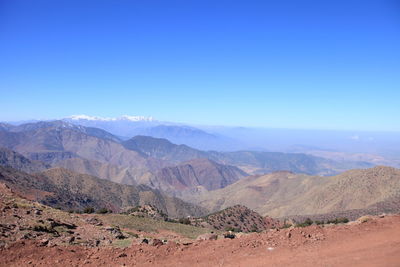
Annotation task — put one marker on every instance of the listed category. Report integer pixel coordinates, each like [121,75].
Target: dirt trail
[374,243]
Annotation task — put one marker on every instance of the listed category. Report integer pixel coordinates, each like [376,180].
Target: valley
[85,187]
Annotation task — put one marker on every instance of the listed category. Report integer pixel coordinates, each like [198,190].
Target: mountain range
[53,159]
[128,126]
[374,147]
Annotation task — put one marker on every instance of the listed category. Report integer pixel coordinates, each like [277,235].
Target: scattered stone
[229,235]
[122,255]
[44,242]
[38,212]
[95,221]
[117,232]
[157,242]
[207,237]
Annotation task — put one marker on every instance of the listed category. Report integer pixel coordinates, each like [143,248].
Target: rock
[229,235]
[207,237]
[95,221]
[44,242]
[289,235]
[26,236]
[38,212]
[120,235]
[157,242]
[144,241]
[71,239]
[122,255]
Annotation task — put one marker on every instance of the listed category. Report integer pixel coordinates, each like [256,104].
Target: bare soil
[372,243]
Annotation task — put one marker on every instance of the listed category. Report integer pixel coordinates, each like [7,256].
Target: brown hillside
[66,189]
[195,173]
[237,219]
[281,194]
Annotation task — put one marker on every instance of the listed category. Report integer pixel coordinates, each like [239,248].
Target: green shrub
[339,220]
[184,221]
[103,211]
[306,223]
[342,220]
[88,210]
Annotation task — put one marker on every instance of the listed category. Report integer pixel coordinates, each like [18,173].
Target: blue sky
[292,64]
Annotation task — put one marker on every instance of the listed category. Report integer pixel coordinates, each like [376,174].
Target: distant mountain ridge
[129,126]
[282,194]
[252,162]
[97,118]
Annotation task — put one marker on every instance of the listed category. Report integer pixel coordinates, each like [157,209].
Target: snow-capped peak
[123,117]
[136,118]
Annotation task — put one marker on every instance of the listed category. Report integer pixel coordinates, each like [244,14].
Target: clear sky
[296,64]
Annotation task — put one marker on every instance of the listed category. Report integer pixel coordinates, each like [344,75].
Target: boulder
[157,242]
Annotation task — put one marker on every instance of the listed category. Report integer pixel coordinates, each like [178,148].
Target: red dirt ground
[373,243]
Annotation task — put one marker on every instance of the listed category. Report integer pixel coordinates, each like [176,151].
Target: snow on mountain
[123,117]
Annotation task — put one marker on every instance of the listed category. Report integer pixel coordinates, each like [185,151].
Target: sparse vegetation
[286,225]
[104,211]
[306,223]
[151,225]
[88,210]
[122,243]
[338,220]
[184,220]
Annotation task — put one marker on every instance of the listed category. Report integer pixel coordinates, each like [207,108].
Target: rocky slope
[22,220]
[114,173]
[194,174]
[373,243]
[68,190]
[237,218]
[15,160]
[163,149]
